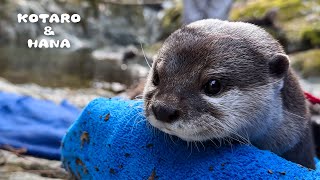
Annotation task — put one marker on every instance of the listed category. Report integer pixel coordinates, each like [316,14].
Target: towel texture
[33,124]
[112,140]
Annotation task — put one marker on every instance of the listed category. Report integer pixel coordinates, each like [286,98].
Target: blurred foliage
[152,49]
[256,9]
[172,19]
[307,62]
[311,35]
[298,19]
[132,13]
[4,8]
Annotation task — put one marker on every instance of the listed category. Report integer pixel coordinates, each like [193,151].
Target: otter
[216,79]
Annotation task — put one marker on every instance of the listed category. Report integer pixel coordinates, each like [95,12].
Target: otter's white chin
[170,129]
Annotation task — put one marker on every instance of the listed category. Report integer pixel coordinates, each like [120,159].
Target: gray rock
[196,10]
[26,167]
[78,97]
[105,24]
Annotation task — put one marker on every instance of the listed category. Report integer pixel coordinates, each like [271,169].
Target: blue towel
[112,140]
[37,125]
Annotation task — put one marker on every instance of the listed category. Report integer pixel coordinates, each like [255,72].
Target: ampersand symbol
[48,31]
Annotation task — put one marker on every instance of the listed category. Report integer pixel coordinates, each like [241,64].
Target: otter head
[216,79]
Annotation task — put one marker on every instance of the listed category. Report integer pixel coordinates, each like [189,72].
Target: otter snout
[165,113]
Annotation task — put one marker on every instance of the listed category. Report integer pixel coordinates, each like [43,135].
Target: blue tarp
[112,140]
[34,124]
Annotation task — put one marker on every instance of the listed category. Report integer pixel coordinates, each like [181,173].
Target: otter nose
[165,113]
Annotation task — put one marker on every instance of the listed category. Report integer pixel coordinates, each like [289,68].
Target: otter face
[206,86]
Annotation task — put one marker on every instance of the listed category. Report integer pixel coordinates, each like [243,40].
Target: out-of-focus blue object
[112,140]
[37,125]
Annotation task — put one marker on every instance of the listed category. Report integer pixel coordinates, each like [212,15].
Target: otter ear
[279,64]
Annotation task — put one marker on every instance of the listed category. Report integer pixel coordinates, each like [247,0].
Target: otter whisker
[202,145]
[144,55]
[195,142]
[207,135]
[191,142]
[214,143]
[135,124]
[172,139]
[229,129]
[135,116]
[236,139]
[290,113]
[131,118]
[242,139]
[197,134]
[138,97]
[142,120]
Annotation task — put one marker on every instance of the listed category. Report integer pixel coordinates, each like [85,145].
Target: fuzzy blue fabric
[112,140]
[34,124]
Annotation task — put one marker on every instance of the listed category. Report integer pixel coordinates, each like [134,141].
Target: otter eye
[155,79]
[212,87]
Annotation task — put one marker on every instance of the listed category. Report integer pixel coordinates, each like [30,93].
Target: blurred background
[106,57]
